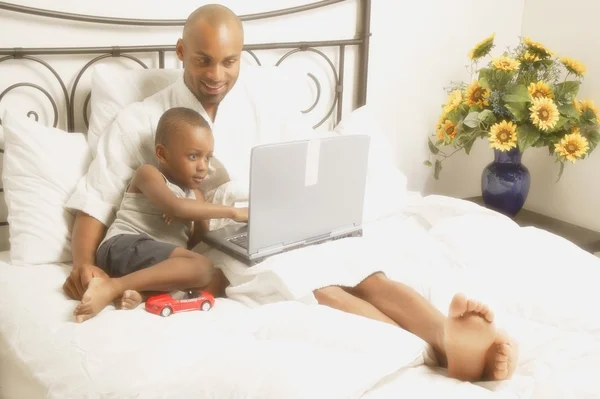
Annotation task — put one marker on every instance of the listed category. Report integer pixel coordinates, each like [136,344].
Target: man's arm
[97,195]
[150,182]
[86,236]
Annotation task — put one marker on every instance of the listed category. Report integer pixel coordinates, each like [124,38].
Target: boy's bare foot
[502,357]
[468,335]
[131,299]
[99,294]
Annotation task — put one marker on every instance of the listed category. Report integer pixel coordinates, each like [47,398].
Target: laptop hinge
[271,248]
[343,230]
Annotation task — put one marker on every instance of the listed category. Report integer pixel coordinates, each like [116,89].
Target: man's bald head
[214,15]
[211,49]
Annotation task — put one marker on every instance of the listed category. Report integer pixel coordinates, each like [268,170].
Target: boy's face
[186,157]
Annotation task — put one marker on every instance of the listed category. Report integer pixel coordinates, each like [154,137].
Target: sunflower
[572,146]
[529,57]
[544,113]
[503,136]
[540,89]
[454,100]
[537,48]
[573,66]
[584,105]
[505,64]
[482,48]
[448,128]
[477,95]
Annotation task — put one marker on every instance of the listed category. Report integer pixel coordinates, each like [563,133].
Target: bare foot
[99,294]
[502,357]
[131,299]
[468,335]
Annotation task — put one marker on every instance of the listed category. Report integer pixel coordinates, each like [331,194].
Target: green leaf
[588,117]
[560,170]
[593,138]
[526,136]
[487,116]
[519,110]
[427,163]
[517,94]
[559,125]
[437,170]
[568,110]
[432,147]
[458,113]
[468,146]
[567,91]
[472,120]
[483,82]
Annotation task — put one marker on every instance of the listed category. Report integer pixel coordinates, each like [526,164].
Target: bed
[542,287]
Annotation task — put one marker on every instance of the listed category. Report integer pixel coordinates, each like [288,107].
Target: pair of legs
[182,270]
[466,341]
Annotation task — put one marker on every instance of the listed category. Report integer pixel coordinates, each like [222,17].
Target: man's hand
[240,215]
[80,277]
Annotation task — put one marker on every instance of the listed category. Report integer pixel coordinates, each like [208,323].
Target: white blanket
[542,288]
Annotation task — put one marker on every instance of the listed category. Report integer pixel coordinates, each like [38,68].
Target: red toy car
[181,301]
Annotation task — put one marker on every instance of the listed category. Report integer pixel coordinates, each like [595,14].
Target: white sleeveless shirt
[138,215]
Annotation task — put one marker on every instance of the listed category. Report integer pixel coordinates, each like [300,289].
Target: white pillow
[386,190]
[42,165]
[114,87]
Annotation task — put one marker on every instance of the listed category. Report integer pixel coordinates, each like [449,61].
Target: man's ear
[161,153]
[179,49]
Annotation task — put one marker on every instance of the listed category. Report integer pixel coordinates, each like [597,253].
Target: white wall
[431,39]
[416,49]
[569,31]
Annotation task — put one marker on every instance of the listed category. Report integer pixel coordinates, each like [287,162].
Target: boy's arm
[151,183]
[199,226]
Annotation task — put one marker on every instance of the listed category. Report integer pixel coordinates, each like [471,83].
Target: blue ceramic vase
[505,182]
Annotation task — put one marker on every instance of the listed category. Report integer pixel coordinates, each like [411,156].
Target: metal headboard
[361,40]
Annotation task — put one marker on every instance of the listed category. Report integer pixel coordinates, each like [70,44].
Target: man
[466,341]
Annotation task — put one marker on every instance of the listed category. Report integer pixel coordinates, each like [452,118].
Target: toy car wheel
[166,311]
[206,306]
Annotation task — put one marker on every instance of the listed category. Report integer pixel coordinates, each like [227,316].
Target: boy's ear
[161,153]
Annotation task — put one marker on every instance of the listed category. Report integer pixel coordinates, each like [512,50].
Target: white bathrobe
[249,115]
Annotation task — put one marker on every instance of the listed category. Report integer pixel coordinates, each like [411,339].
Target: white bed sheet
[542,288]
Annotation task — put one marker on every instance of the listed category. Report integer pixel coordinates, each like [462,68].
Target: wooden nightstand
[587,239]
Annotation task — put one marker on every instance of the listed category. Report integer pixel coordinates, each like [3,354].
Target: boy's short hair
[173,118]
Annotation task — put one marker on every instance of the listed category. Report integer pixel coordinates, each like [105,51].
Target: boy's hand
[168,219]
[240,215]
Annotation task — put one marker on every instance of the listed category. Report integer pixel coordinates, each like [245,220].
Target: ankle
[439,347]
[116,286]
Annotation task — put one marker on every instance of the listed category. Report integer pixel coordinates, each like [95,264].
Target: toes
[501,358]
[82,318]
[83,308]
[472,305]
[458,306]
[129,304]
[503,349]
[487,313]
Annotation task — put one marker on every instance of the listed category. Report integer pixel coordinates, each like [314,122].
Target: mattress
[542,288]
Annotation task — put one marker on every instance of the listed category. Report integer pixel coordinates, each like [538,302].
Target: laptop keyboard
[241,240]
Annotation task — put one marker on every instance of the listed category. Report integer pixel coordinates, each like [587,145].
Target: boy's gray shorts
[126,253]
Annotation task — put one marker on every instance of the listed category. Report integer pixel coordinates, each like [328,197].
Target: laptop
[301,193]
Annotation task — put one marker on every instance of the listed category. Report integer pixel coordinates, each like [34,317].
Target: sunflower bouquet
[525,97]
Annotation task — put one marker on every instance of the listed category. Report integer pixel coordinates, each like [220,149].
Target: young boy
[141,252]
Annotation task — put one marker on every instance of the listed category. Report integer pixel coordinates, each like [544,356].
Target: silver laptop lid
[304,189]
